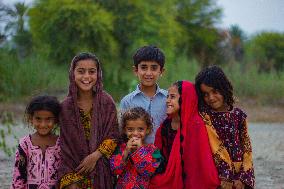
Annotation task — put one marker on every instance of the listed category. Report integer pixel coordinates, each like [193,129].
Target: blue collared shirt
[155,106]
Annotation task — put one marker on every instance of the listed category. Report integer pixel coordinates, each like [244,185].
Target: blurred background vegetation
[38,41]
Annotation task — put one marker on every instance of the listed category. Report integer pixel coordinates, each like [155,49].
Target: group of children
[190,136]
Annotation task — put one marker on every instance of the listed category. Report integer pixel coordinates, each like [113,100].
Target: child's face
[43,121]
[173,101]
[136,128]
[213,98]
[85,75]
[148,73]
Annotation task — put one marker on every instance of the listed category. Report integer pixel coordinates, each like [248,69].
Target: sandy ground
[266,130]
[268,153]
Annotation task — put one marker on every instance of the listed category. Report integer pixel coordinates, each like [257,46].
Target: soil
[266,129]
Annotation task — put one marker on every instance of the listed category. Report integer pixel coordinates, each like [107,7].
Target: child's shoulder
[25,142]
[129,96]
[239,111]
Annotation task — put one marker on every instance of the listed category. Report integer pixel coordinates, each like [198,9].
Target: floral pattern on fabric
[230,144]
[33,169]
[139,167]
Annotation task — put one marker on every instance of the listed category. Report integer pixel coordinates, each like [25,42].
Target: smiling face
[43,121]
[85,75]
[173,101]
[213,98]
[136,128]
[148,73]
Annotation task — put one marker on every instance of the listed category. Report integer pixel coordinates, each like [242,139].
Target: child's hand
[137,142]
[89,163]
[238,184]
[226,185]
[72,186]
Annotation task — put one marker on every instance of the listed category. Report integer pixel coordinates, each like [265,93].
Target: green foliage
[265,88]
[8,123]
[15,28]
[201,37]
[267,51]
[32,76]
[62,28]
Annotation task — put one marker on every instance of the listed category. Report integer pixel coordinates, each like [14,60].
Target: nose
[135,133]
[210,97]
[148,71]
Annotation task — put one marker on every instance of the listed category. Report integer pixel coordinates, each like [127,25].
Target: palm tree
[237,40]
[15,29]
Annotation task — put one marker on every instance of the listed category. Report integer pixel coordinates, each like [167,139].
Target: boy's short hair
[149,53]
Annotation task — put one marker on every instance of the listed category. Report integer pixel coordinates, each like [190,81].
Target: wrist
[97,154]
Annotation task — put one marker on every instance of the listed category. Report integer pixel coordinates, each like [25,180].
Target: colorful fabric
[190,163]
[139,167]
[230,144]
[33,169]
[86,122]
[75,145]
[155,106]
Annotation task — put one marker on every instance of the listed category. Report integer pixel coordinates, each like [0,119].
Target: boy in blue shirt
[148,67]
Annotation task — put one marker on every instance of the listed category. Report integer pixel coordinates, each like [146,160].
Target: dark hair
[178,84]
[86,56]
[149,53]
[134,114]
[213,76]
[44,102]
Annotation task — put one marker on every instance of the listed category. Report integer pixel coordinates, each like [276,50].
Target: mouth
[86,82]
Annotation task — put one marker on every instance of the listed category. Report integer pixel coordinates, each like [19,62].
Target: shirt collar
[158,90]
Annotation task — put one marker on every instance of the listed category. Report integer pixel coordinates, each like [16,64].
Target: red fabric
[199,167]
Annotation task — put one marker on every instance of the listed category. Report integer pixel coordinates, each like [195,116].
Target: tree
[237,42]
[62,28]
[201,39]
[266,50]
[15,28]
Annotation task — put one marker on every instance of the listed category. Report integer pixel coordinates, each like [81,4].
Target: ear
[162,71]
[147,131]
[135,70]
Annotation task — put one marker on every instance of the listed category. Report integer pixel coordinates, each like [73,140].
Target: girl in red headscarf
[183,141]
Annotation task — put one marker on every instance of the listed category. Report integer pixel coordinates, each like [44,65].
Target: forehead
[206,88]
[43,114]
[86,64]
[149,64]
[135,123]
[173,90]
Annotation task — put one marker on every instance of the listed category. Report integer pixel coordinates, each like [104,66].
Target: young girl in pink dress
[38,154]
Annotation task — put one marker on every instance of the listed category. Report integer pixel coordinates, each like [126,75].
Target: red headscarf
[191,145]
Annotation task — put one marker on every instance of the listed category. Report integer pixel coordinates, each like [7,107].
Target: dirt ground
[266,129]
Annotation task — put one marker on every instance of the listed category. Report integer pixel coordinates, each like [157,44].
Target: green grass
[30,77]
[21,80]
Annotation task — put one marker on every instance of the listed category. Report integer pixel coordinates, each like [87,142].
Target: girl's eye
[91,72]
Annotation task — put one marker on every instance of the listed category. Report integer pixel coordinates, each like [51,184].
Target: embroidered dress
[230,144]
[139,167]
[33,169]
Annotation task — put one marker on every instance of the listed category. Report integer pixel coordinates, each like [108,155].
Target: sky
[251,15]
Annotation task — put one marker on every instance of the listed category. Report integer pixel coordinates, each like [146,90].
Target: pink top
[33,169]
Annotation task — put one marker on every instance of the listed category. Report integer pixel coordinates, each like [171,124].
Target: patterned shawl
[104,125]
[190,163]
